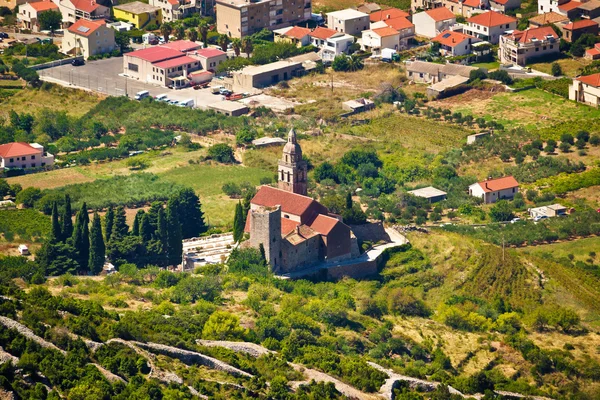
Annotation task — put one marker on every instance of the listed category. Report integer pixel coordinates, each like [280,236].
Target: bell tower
[291,171]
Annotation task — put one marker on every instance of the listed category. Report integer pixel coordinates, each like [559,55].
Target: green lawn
[489,65]
[207,180]
[570,66]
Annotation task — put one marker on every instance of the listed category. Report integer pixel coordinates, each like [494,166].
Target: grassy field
[490,66]
[570,66]
[580,249]
[74,102]
[539,112]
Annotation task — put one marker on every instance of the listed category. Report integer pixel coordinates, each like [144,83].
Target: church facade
[296,231]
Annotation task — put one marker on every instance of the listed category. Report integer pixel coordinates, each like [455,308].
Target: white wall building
[24,155]
[490,26]
[382,38]
[348,21]
[518,47]
[431,23]
[492,190]
[330,43]
[455,43]
[586,89]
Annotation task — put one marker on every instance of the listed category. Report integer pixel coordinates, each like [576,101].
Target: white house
[88,38]
[431,23]
[563,7]
[348,21]
[490,26]
[330,43]
[504,5]
[74,10]
[492,190]
[455,43]
[586,89]
[382,38]
[28,16]
[518,47]
[24,155]
[405,28]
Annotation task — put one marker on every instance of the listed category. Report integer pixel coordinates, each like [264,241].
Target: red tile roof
[568,6]
[324,224]
[322,33]
[175,62]
[440,14]
[528,35]
[390,13]
[43,6]
[385,32]
[83,27]
[399,23]
[181,45]
[592,80]
[451,39]
[494,185]
[297,32]
[17,149]
[581,24]
[209,52]
[88,6]
[592,52]
[154,54]
[491,18]
[300,234]
[472,3]
[290,203]
[502,2]
[288,225]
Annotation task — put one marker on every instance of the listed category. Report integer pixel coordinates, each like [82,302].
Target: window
[514,190]
[32,165]
[132,67]
[12,160]
[33,157]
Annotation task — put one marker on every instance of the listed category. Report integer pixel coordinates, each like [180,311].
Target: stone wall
[358,270]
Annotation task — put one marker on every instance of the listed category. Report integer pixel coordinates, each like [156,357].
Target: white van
[161,97]
[186,103]
[23,250]
[142,95]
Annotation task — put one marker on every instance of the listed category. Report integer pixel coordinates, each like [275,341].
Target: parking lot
[103,76]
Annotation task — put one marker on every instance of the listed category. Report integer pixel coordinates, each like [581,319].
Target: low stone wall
[358,270]
[56,63]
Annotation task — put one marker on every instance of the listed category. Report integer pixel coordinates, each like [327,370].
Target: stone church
[296,231]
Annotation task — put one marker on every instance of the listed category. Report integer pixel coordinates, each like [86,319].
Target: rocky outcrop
[318,376]
[28,333]
[112,378]
[6,357]
[252,349]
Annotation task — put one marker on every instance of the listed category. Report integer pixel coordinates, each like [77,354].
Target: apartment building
[238,18]
[348,21]
[489,26]
[519,47]
[173,10]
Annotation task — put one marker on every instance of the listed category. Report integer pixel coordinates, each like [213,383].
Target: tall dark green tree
[135,228]
[120,228]
[67,222]
[81,238]
[349,200]
[109,221]
[190,213]
[56,233]
[146,230]
[238,223]
[97,247]
[174,238]
[160,233]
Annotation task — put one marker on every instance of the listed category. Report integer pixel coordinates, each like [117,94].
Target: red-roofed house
[182,45]
[466,8]
[504,5]
[455,43]
[296,35]
[492,190]
[296,231]
[390,13]
[167,66]
[520,47]
[568,8]
[74,10]
[574,30]
[29,13]
[88,38]
[374,40]
[431,23]
[586,89]
[490,26]
[593,53]
[405,28]
[24,155]
[330,43]
[210,58]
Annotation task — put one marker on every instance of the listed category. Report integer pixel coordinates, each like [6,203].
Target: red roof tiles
[154,54]
[298,32]
[385,32]
[440,14]
[390,13]
[568,6]
[581,24]
[290,203]
[175,62]
[495,185]
[83,27]
[322,33]
[17,149]
[41,6]
[209,52]
[181,45]
[491,18]
[323,224]
[451,39]
[592,80]
[88,6]
[528,35]
[399,23]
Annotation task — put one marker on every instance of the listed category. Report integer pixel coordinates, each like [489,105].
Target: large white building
[348,21]
[74,10]
[330,43]
[586,89]
[375,40]
[490,26]
[24,155]
[431,23]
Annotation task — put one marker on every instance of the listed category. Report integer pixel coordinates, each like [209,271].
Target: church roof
[291,203]
[292,146]
[324,224]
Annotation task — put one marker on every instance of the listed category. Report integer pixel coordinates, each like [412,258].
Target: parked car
[517,219]
[186,103]
[77,62]
[173,102]
[161,97]
[540,217]
[23,250]
[3,35]
[225,92]
[142,95]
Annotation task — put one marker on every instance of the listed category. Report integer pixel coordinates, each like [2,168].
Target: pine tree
[135,228]
[67,222]
[109,220]
[174,238]
[97,247]
[81,238]
[349,201]
[238,223]
[146,230]
[56,233]
[190,213]
[120,228]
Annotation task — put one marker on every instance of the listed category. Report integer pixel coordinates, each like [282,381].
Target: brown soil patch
[470,96]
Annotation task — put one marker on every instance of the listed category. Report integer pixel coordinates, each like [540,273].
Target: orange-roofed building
[574,30]
[296,231]
[568,8]
[24,155]
[593,53]
[374,40]
[504,5]
[296,35]
[489,26]
[389,13]
[88,38]
[405,28]
[586,89]
[520,47]
[492,190]
[29,13]
[455,43]
[74,10]
[431,23]
[466,8]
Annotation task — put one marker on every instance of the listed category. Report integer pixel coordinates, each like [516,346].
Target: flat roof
[427,192]
[263,141]
[137,7]
[261,69]
[348,14]
[228,106]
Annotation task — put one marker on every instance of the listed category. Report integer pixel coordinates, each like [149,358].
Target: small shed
[553,210]
[430,193]
[358,105]
[268,141]
[477,137]
[229,108]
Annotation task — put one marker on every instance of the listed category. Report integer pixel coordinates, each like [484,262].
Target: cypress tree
[161,227]
[120,228]
[263,255]
[135,228]
[56,233]
[174,238]
[146,228]
[67,222]
[238,223]
[349,201]
[81,238]
[97,247]
[190,213]
[109,220]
